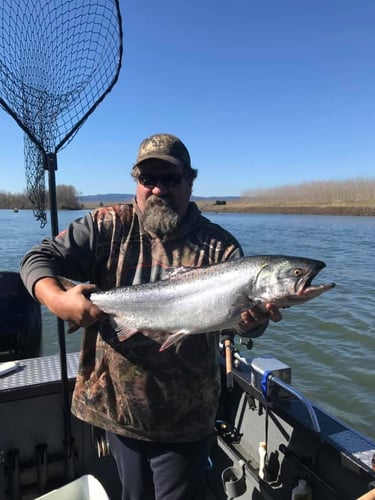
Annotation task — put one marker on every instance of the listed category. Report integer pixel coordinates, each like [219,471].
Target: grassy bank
[347,197]
[244,206]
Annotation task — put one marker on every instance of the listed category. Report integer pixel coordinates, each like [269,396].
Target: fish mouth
[306,290]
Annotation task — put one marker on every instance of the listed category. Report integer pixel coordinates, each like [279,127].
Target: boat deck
[35,372]
[43,446]
[35,455]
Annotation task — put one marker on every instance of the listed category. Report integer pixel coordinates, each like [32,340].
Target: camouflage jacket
[131,388]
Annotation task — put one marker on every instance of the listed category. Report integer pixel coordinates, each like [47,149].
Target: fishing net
[58,60]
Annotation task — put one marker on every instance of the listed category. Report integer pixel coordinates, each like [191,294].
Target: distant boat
[15,209]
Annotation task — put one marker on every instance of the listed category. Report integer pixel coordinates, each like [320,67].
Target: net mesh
[35,179]
[58,60]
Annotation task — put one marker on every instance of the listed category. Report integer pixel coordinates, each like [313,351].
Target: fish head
[286,281]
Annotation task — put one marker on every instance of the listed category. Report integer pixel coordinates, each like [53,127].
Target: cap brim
[169,159]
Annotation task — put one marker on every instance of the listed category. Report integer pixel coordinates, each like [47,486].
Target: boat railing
[306,403]
[268,372]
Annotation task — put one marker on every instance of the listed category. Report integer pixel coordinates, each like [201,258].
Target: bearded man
[158,408]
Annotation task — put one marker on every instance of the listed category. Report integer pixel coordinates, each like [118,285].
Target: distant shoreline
[240,207]
[243,207]
[288,209]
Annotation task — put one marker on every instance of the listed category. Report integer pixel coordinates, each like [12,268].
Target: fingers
[80,311]
[249,317]
[274,313]
[86,289]
[258,316]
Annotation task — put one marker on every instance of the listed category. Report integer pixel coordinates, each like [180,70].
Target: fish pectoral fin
[173,338]
[241,303]
[123,332]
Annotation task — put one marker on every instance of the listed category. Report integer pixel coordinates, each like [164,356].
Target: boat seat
[20,319]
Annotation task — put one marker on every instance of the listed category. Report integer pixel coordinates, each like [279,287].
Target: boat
[268,437]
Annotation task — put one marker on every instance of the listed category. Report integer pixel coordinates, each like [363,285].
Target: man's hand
[254,321]
[71,305]
[256,316]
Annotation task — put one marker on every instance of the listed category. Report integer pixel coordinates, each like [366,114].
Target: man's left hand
[256,316]
[255,320]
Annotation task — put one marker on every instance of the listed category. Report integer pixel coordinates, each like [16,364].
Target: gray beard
[160,217]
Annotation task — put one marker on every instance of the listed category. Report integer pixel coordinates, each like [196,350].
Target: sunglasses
[168,180]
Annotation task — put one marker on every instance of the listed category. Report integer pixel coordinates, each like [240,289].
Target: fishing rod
[227,346]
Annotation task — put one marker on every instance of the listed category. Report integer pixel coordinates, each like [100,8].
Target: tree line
[67,199]
[358,190]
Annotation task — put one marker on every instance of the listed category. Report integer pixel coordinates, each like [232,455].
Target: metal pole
[51,167]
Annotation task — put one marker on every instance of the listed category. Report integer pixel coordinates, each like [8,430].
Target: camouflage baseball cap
[164,147]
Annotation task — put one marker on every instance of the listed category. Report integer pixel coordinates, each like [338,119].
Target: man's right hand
[72,305]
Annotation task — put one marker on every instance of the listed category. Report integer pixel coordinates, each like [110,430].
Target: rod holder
[13,472]
[234,481]
[42,467]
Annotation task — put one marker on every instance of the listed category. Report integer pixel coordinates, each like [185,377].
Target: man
[158,408]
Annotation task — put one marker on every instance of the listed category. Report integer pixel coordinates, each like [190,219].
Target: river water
[328,342]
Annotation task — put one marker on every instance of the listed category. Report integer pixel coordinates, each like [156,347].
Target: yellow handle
[228,362]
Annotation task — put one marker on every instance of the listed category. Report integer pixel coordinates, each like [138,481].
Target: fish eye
[298,272]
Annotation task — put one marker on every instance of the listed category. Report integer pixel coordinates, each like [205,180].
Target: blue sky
[263,92]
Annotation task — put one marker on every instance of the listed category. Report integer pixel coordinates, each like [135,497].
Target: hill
[109,198]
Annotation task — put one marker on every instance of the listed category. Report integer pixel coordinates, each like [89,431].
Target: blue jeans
[160,471]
